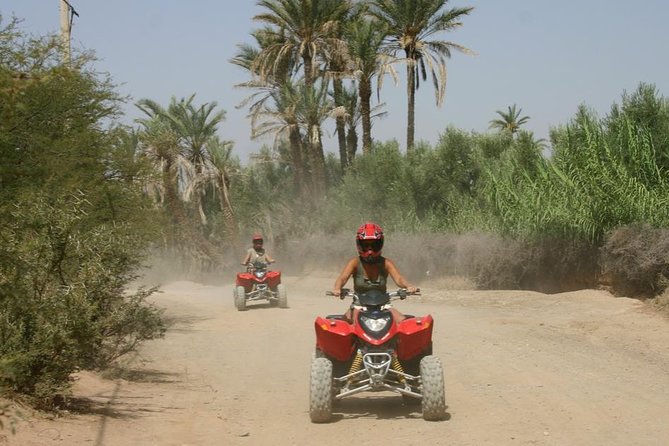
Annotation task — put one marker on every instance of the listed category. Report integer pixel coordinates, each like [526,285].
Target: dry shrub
[661,302]
[635,260]
[453,261]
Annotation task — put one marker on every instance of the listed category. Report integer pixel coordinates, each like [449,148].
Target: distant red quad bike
[374,353]
[259,284]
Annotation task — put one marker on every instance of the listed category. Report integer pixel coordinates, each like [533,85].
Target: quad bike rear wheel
[240,298]
[434,399]
[283,296]
[320,390]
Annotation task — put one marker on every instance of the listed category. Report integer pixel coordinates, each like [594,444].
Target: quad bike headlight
[375,324]
[259,274]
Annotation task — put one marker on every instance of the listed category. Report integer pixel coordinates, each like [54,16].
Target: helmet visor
[370,245]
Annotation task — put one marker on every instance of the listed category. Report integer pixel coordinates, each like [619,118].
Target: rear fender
[334,338]
[414,336]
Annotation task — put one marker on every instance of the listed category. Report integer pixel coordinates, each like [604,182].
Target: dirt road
[520,368]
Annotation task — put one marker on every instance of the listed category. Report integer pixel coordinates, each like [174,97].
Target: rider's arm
[270,259]
[247,258]
[399,280]
[346,273]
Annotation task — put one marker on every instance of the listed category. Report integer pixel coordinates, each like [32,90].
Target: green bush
[63,304]
[73,222]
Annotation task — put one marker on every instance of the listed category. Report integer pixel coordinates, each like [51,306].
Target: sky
[545,56]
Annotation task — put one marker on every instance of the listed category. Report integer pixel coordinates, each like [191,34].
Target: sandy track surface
[520,368]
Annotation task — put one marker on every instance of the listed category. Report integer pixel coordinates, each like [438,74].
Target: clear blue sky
[546,56]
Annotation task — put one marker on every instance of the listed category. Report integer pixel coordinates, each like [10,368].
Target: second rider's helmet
[369,241]
[257,242]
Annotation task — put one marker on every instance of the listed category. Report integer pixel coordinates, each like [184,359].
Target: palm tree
[276,88]
[336,69]
[305,31]
[509,121]
[353,115]
[279,117]
[298,110]
[159,144]
[365,39]
[195,127]
[411,23]
[180,139]
[315,107]
[220,152]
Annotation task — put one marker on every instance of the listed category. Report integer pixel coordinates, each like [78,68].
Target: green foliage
[377,188]
[62,286]
[599,178]
[645,108]
[509,121]
[73,222]
[261,194]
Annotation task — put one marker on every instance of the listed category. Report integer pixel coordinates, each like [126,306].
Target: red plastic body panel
[335,338]
[415,335]
[247,280]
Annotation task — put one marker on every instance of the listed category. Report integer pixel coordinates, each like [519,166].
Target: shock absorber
[356,365]
[398,368]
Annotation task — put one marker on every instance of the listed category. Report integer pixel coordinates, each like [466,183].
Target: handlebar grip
[341,296]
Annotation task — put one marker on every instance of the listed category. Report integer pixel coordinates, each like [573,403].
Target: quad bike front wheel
[240,298]
[320,390]
[434,399]
[282,295]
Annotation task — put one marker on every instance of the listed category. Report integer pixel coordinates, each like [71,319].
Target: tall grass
[597,180]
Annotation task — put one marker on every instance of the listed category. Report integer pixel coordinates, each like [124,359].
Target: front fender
[335,338]
[414,336]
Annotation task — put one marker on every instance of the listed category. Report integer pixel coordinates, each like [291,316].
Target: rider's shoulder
[388,262]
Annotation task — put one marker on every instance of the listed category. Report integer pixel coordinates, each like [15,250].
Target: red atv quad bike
[259,283]
[375,353]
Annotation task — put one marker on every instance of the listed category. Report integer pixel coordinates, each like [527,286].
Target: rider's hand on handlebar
[341,294]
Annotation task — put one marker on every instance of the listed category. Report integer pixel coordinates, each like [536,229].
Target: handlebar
[252,264]
[401,293]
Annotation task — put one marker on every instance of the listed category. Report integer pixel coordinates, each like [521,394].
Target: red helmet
[257,239]
[369,240]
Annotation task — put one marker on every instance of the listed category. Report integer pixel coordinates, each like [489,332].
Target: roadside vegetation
[86,203]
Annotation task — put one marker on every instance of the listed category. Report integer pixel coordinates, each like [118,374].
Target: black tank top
[362,284]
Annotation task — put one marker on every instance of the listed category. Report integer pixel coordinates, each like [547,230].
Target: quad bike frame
[259,283]
[350,359]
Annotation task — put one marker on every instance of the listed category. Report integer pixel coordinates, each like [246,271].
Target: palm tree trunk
[341,124]
[198,197]
[317,157]
[184,235]
[411,96]
[318,161]
[351,143]
[365,93]
[228,213]
[174,205]
[298,164]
